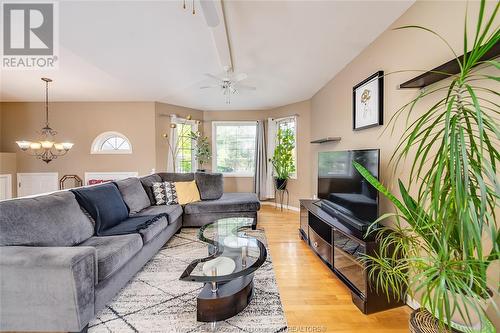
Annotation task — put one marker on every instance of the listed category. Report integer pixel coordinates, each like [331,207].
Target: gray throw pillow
[165,193]
[147,184]
[211,185]
[133,194]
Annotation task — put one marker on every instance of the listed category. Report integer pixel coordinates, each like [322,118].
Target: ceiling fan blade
[240,77]
[244,87]
[208,87]
[210,13]
[214,77]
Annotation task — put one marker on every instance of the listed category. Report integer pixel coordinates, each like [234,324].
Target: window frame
[283,120]
[95,148]
[194,127]
[214,146]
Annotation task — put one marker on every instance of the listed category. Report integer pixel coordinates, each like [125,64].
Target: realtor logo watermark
[30,35]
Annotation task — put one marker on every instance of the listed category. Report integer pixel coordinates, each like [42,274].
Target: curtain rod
[290,116]
[175,115]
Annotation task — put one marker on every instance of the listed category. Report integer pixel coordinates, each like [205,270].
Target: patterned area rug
[155,300]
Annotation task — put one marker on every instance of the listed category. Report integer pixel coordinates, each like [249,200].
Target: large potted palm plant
[445,236]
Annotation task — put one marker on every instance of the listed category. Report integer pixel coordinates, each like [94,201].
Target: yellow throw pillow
[187,192]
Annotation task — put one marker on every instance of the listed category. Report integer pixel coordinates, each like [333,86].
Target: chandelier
[45,149]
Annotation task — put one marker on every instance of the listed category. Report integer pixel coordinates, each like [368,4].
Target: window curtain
[260,179]
[271,144]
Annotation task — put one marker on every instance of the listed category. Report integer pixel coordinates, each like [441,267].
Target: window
[234,148]
[289,123]
[111,143]
[181,143]
[184,160]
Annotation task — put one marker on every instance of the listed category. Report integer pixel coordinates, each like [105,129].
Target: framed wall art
[368,102]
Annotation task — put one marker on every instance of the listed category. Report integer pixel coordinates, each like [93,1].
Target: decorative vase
[280,183]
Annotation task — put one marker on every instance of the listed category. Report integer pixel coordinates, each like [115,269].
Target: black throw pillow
[104,203]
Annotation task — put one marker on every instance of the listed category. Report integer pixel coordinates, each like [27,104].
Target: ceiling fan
[229,84]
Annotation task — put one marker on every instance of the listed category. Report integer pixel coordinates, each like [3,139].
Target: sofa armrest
[47,288]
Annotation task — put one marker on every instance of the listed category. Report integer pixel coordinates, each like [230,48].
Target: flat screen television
[342,188]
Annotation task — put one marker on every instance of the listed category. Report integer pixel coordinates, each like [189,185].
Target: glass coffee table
[227,271]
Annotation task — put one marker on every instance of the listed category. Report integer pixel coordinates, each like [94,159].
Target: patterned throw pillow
[165,193]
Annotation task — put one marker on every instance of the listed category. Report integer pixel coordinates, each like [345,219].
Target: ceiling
[156,51]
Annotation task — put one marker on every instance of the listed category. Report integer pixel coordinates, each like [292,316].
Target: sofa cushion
[187,192]
[154,229]
[104,203]
[147,184]
[133,194]
[48,220]
[165,193]
[176,176]
[229,202]
[173,212]
[211,185]
[113,252]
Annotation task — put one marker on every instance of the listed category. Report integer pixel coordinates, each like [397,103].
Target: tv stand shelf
[340,243]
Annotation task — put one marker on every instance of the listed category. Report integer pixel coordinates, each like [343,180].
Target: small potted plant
[201,149]
[282,160]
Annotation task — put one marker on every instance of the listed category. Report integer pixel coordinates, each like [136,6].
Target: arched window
[111,143]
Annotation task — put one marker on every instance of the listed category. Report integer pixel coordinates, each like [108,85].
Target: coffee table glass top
[231,253]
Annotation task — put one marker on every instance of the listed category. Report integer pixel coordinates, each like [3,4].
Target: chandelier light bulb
[47,144]
[35,145]
[58,146]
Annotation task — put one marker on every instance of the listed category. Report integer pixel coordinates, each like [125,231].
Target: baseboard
[272,203]
[412,303]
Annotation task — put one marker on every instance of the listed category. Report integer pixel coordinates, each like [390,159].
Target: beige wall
[144,124]
[162,125]
[80,123]
[298,188]
[331,107]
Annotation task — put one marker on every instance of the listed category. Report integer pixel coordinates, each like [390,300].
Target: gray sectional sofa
[56,274]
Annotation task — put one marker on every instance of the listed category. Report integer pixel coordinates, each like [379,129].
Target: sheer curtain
[172,138]
[261,168]
[271,144]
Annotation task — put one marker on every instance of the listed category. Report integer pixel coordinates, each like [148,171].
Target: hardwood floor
[314,300]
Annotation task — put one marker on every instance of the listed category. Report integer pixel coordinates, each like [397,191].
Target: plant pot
[280,183]
[478,322]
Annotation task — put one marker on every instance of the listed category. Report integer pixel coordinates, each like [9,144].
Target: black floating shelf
[327,139]
[451,67]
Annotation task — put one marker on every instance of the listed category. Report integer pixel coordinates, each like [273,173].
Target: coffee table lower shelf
[230,299]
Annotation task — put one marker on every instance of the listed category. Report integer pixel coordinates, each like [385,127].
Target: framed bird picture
[368,102]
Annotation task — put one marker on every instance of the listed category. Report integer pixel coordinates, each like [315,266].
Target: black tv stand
[340,242]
